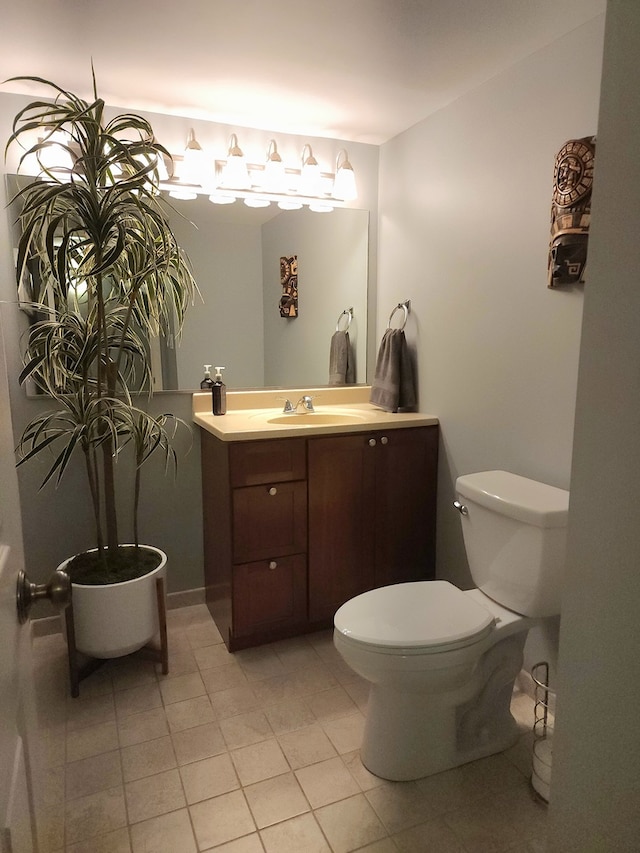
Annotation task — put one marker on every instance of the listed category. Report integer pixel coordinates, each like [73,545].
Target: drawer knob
[273,565]
[273,490]
[384,440]
[372,442]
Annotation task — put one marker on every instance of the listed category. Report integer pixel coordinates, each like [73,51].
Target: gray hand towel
[393,386]
[341,361]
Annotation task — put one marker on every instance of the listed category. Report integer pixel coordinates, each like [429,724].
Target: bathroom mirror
[236,251]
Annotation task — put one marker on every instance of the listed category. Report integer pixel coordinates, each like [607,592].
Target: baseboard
[46,625]
[185,598]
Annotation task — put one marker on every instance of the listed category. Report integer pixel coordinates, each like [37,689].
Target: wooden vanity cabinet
[372,511]
[295,527]
[255,537]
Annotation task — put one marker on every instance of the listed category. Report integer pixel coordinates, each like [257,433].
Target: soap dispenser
[207,382]
[219,394]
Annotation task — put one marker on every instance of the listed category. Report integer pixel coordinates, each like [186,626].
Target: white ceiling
[359,70]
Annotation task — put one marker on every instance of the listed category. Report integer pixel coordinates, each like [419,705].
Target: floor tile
[274,800]
[146,725]
[245,729]
[258,663]
[350,824]
[221,819]
[168,833]
[94,814]
[203,634]
[295,653]
[246,844]
[83,743]
[90,775]
[399,806]
[233,701]
[326,782]
[198,742]
[90,711]
[290,716]
[180,663]
[385,845]
[208,778]
[208,657]
[136,699]
[154,795]
[306,746]
[298,834]
[148,758]
[259,761]
[132,672]
[113,842]
[223,677]
[189,713]
[433,835]
[181,687]
[345,733]
[331,703]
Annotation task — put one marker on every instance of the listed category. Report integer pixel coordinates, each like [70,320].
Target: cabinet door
[406,477]
[269,521]
[269,595]
[341,521]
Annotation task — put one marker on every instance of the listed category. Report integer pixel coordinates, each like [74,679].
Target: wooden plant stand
[79,671]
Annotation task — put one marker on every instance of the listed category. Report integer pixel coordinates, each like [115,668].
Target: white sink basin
[298,419]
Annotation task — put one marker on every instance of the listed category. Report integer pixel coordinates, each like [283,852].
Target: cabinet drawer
[269,594]
[269,521]
[277,461]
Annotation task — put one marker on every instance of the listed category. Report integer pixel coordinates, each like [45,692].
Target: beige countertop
[251,414]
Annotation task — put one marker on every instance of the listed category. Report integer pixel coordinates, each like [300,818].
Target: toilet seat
[422,617]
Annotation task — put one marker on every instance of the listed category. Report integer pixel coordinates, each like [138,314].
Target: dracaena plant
[107,276]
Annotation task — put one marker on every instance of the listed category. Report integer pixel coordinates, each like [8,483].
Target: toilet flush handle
[461,508]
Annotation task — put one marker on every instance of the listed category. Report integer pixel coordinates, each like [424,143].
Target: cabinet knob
[273,490]
[384,440]
[372,442]
[273,565]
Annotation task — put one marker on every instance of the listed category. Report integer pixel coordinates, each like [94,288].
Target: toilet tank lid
[517,497]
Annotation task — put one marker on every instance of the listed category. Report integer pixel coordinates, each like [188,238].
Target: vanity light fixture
[193,162]
[274,178]
[310,177]
[55,156]
[259,184]
[344,186]
[222,198]
[257,201]
[290,204]
[235,174]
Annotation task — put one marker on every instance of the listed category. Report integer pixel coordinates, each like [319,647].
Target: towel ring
[349,313]
[405,306]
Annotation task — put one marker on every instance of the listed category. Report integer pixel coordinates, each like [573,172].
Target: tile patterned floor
[254,752]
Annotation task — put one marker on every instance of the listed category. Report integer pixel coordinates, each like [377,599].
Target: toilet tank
[515,537]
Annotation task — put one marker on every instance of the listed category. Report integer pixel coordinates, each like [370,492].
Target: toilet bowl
[442,662]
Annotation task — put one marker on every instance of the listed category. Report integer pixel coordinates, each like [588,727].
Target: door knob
[58,591]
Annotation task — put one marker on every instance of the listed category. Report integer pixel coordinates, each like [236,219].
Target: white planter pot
[112,620]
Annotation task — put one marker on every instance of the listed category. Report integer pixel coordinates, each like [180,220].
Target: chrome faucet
[306,402]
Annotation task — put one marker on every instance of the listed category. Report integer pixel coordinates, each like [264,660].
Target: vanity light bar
[258,187]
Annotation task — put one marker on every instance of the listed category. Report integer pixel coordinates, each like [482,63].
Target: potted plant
[107,276]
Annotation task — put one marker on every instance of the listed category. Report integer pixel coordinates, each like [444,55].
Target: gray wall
[596,784]
[464,233]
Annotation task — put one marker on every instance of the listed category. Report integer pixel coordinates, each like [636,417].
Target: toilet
[442,662]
